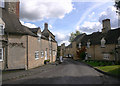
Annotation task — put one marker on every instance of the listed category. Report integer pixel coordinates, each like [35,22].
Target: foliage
[99,63]
[81,53]
[117,5]
[46,61]
[73,35]
[114,69]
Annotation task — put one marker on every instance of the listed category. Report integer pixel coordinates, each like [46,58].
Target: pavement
[69,72]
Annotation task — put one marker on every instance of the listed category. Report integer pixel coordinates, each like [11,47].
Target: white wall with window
[2,29]
[1,54]
[103,42]
[36,55]
[42,54]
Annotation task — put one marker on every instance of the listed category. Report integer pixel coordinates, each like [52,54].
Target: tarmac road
[69,72]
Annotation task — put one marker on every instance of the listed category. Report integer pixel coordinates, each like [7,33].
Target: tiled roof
[111,37]
[13,25]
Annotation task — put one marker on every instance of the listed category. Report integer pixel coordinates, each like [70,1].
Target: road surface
[69,72]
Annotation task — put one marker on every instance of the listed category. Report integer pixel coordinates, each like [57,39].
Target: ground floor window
[42,54]
[36,55]
[1,54]
[106,56]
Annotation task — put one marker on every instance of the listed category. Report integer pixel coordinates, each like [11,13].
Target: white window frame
[79,45]
[1,54]
[1,29]
[39,37]
[2,3]
[36,54]
[88,44]
[103,42]
[106,56]
[54,53]
[42,54]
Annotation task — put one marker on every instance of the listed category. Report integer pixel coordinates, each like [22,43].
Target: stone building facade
[103,45]
[22,47]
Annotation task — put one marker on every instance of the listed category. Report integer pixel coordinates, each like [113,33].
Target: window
[1,29]
[106,56]
[42,54]
[54,53]
[103,43]
[36,55]
[39,37]
[119,41]
[1,54]
[2,3]
[79,45]
[88,44]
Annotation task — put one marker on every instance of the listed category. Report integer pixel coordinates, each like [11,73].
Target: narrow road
[69,72]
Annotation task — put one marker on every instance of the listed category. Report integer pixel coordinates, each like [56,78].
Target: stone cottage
[103,45]
[22,47]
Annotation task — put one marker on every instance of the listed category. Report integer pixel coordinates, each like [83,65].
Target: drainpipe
[6,53]
[27,53]
[94,52]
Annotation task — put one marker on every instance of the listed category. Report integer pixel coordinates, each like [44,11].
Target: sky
[66,16]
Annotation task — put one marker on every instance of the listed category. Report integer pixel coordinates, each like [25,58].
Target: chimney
[106,25]
[13,7]
[46,26]
[17,9]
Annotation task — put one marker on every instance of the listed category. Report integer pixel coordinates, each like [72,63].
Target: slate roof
[111,37]
[13,25]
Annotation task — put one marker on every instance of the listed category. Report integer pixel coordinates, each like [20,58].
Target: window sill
[1,60]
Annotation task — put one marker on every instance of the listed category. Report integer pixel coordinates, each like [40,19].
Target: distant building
[22,47]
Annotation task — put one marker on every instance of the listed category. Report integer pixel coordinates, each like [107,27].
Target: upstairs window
[103,43]
[79,45]
[119,41]
[39,37]
[36,55]
[88,44]
[1,54]
[1,29]
[2,3]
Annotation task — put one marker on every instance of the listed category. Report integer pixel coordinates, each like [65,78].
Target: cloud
[62,38]
[89,27]
[110,13]
[28,24]
[35,10]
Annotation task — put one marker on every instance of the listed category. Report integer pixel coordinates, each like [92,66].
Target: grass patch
[114,69]
[11,71]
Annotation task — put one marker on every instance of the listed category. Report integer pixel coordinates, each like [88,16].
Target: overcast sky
[67,16]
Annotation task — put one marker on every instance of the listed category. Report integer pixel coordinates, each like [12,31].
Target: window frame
[1,54]
[1,29]
[103,41]
[39,37]
[42,54]
[2,4]
[36,52]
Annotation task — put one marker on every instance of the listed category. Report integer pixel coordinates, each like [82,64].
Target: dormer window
[103,43]
[79,45]
[119,40]
[39,37]
[50,38]
[88,44]
[1,29]
[2,3]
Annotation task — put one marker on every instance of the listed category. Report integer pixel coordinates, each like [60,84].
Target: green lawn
[114,69]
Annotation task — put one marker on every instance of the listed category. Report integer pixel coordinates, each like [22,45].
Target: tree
[73,35]
[117,5]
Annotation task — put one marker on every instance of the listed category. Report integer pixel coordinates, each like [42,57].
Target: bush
[46,61]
